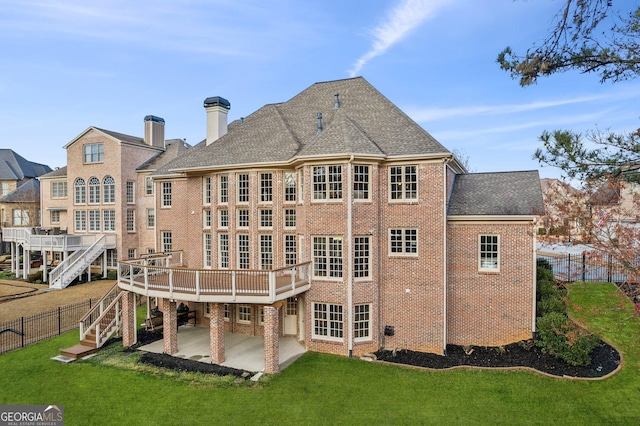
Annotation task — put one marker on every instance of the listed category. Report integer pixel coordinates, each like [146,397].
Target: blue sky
[67,65]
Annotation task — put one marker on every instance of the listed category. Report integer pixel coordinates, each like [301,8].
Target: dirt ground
[18,299]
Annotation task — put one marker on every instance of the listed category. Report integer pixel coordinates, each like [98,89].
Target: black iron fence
[588,268]
[24,331]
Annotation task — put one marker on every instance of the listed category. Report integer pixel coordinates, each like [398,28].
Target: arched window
[94,191]
[79,191]
[109,186]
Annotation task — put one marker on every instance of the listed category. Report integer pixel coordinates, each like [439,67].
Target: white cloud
[433,114]
[407,16]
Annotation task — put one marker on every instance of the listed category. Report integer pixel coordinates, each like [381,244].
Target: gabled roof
[28,192]
[15,167]
[365,123]
[173,148]
[115,136]
[496,194]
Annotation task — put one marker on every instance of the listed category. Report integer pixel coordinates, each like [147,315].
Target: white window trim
[368,277]
[238,189]
[149,190]
[327,183]
[248,221]
[238,312]
[284,187]
[370,327]
[151,213]
[219,190]
[263,188]
[404,199]
[163,200]
[295,218]
[488,269]
[328,277]
[403,253]
[207,190]
[328,337]
[369,186]
[260,224]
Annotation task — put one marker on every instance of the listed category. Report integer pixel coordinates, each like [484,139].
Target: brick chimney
[154,131]
[217,109]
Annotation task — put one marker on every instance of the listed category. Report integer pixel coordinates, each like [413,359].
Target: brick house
[19,192]
[403,247]
[102,191]
[331,217]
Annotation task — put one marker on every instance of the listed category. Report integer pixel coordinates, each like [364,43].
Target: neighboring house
[99,199]
[566,210]
[331,217]
[19,192]
[616,201]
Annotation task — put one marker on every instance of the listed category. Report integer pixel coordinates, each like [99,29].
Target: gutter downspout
[533,302]
[350,257]
[446,256]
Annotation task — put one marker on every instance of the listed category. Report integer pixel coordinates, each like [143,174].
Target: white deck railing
[59,242]
[150,277]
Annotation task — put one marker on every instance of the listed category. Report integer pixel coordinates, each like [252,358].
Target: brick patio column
[169,326]
[128,326]
[216,332]
[271,339]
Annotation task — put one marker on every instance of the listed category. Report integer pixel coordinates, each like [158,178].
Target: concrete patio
[241,351]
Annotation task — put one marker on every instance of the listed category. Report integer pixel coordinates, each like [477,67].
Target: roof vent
[337,104]
[319,117]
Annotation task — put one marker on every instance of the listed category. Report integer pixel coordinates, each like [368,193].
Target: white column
[26,263]
[44,266]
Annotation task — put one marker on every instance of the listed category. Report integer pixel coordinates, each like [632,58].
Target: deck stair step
[78,351]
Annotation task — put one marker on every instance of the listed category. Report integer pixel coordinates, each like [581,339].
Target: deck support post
[216,332]
[129,336]
[272,339]
[170,326]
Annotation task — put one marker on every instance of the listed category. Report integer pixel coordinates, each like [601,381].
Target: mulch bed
[181,364]
[187,365]
[604,359]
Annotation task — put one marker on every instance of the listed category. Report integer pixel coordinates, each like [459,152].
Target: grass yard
[326,389]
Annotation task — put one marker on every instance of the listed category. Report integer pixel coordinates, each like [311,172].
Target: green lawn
[326,389]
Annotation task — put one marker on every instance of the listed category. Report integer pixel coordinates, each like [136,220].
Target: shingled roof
[28,192]
[173,148]
[496,194]
[365,123]
[15,167]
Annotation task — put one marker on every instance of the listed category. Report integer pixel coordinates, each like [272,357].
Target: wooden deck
[224,286]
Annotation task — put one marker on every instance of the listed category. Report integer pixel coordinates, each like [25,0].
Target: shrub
[36,276]
[543,263]
[7,275]
[559,336]
[112,274]
[545,287]
[550,304]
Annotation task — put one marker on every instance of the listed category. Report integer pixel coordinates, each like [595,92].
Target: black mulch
[604,359]
[187,365]
[181,364]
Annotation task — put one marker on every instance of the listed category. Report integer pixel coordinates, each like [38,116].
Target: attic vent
[319,117]
[337,104]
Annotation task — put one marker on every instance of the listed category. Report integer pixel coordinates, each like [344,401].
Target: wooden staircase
[98,325]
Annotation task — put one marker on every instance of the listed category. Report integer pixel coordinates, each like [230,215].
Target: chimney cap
[217,101]
[154,118]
